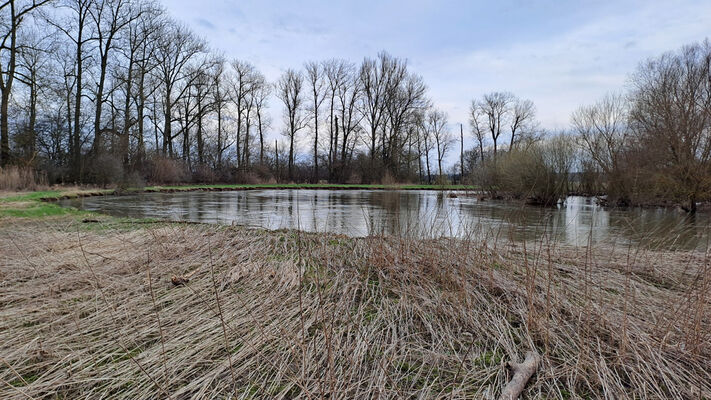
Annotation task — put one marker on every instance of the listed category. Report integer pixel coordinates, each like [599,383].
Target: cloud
[558,54]
[563,71]
[205,23]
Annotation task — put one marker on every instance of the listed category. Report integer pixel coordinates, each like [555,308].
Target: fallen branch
[522,373]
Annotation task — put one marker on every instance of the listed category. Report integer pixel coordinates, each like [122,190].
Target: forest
[117,92]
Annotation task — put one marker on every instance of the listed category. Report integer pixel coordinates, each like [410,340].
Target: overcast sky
[560,54]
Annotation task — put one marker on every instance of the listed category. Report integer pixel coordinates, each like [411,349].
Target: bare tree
[523,113]
[337,73]
[242,83]
[426,142]
[495,107]
[437,128]
[348,95]
[220,97]
[138,50]
[374,75]
[478,124]
[671,115]
[32,70]
[260,94]
[176,48]
[76,28]
[317,89]
[405,96]
[14,12]
[289,89]
[605,137]
[461,152]
[109,17]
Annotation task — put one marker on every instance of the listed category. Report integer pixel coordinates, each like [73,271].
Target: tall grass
[21,178]
[295,315]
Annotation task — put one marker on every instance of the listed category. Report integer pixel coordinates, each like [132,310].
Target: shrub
[105,169]
[131,180]
[204,174]
[388,179]
[539,174]
[166,170]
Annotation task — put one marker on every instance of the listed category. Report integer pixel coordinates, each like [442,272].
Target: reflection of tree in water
[417,213]
[393,212]
[661,228]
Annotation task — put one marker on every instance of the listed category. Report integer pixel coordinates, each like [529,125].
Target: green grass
[51,194]
[39,210]
[32,196]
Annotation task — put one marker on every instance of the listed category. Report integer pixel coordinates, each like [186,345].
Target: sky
[559,54]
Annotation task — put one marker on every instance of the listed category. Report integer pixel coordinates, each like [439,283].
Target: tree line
[110,91]
[100,89]
[649,144]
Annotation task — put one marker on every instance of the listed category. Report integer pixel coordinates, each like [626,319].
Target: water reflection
[415,213]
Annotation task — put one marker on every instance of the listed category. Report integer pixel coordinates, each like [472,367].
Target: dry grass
[21,178]
[90,312]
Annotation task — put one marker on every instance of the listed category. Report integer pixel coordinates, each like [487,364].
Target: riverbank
[100,306]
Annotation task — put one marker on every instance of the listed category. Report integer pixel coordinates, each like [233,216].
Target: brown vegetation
[90,310]
[18,178]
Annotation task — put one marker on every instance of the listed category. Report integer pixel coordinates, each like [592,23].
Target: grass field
[90,310]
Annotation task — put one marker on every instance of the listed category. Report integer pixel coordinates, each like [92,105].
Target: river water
[418,213]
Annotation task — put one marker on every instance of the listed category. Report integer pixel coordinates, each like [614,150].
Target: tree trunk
[261,138]
[139,120]
[291,155]
[76,137]
[220,147]
[98,145]
[127,116]
[4,128]
[461,154]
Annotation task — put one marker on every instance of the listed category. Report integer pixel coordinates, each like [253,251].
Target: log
[522,373]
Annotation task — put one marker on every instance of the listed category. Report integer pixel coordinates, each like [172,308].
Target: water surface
[418,213]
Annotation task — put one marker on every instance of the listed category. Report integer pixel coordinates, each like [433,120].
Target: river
[418,213]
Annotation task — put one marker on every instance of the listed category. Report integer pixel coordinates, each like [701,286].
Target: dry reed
[21,178]
[84,314]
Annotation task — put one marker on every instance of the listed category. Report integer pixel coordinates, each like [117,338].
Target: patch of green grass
[26,380]
[39,210]
[32,196]
[489,359]
[128,355]
[52,194]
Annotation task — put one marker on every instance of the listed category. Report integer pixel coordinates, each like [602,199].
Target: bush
[442,180]
[166,170]
[388,179]
[105,169]
[204,174]
[539,174]
[132,180]
[248,178]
